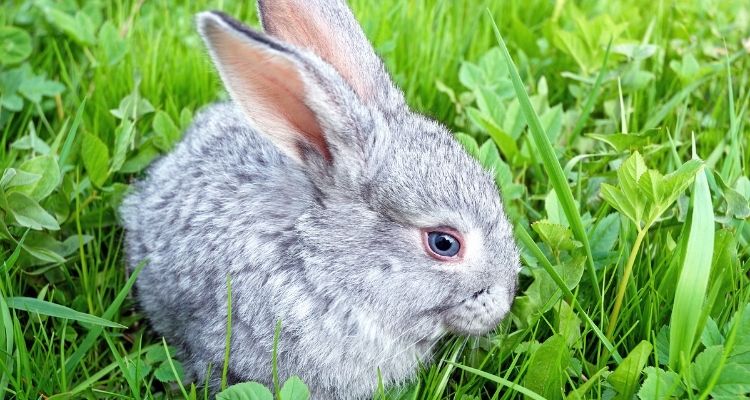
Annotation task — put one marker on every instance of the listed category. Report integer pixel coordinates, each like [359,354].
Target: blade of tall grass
[96,331]
[131,375]
[658,116]
[228,337]
[90,381]
[693,281]
[662,112]
[33,305]
[6,340]
[549,160]
[732,167]
[11,260]
[523,236]
[68,144]
[591,100]
[447,372]
[275,360]
[530,394]
[174,370]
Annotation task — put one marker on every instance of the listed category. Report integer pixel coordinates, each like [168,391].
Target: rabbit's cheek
[480,313]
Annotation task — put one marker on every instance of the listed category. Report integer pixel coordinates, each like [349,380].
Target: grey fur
[331,249]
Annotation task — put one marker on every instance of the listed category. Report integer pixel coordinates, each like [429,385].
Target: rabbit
[315,198]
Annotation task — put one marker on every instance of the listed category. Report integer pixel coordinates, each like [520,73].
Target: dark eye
[443,244]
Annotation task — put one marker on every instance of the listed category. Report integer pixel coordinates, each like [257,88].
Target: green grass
[623,236]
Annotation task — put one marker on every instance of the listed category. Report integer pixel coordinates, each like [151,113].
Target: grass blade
[86,384]
[667,107]
[549,160]
[446,373]
[100,374]
[31,304]
[589,105]
[523,236]
[94,333]
[6,341]
[274,360]
[11,260]
[530,394]
[694,275]
[228,337]
[68,145]
[174,370]
[130,376]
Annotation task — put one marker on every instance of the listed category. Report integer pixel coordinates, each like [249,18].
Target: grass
[636,258]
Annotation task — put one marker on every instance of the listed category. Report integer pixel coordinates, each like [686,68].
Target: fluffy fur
[328,244]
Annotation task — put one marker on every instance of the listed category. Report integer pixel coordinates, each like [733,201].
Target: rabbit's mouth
[480,312]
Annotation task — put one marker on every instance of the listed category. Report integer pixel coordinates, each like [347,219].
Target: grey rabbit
[329,205]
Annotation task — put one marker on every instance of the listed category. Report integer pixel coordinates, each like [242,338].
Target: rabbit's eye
[443,245]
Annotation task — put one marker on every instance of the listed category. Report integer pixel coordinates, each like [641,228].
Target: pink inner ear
[271,91]
[310,31]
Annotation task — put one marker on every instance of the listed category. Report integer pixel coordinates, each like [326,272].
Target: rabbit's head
[404,220]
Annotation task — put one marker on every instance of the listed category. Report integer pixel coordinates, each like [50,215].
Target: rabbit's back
[224,200]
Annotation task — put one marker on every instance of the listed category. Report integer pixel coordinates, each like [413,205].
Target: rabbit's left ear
[297,101]
[328,28]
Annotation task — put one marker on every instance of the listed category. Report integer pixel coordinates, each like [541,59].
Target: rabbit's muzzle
[480,312]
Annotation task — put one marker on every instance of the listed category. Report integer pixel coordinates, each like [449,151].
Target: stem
[228,338]
[275,360]
[624,282]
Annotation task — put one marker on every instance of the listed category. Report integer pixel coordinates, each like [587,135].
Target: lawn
[618,135]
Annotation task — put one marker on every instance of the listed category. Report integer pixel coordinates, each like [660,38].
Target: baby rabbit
[362,226]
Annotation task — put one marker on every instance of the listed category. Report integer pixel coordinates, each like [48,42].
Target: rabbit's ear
[328,28]
[292,97]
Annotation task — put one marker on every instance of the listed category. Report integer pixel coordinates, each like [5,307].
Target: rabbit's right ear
[295,100]
[328,28]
